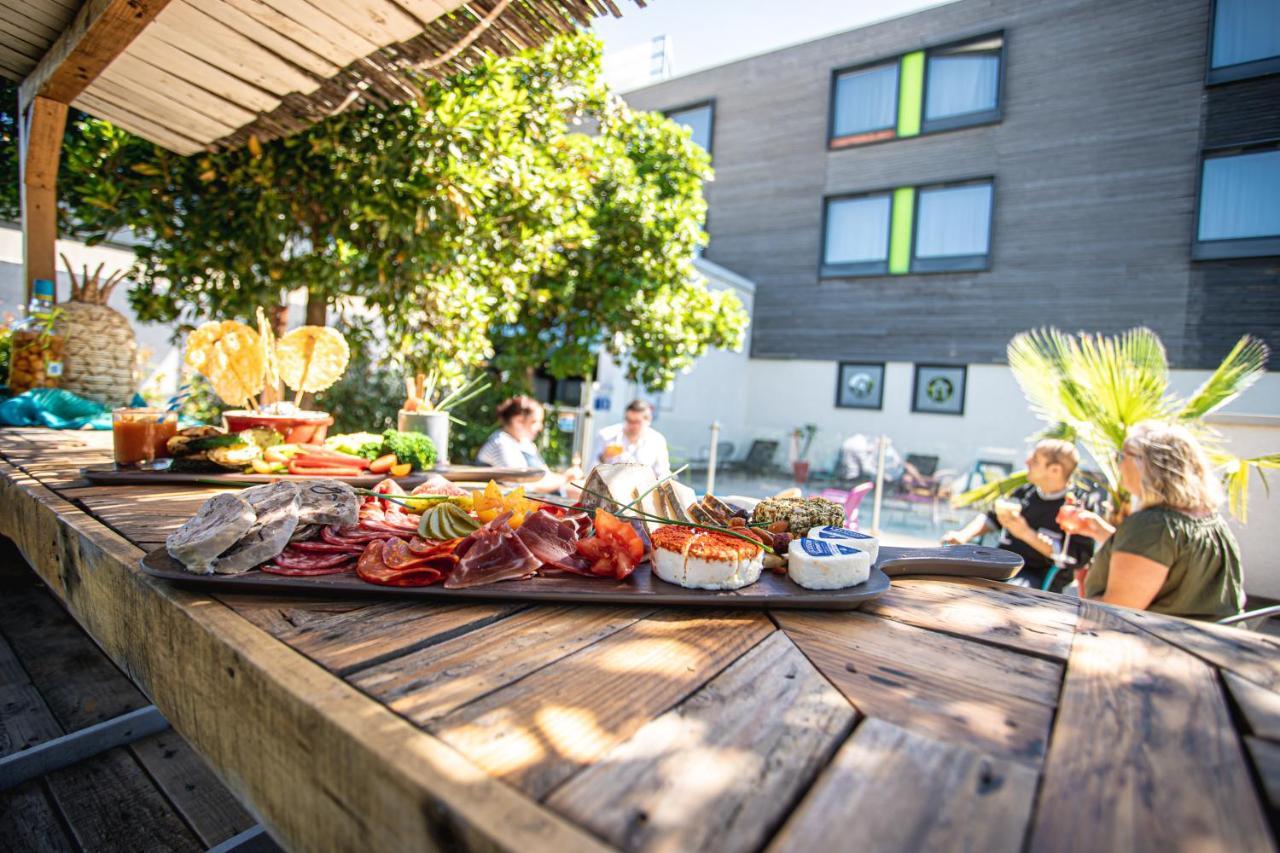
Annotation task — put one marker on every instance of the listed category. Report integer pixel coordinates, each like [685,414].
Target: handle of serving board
[967,561]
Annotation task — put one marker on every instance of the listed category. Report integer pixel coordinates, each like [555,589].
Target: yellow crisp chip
[311,358]
[229,355]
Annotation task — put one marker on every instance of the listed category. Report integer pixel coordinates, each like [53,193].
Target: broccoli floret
[412,447]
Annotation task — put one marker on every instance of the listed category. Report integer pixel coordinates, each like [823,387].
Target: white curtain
[1245,31]
[858,230]
[1240,197]
[961,84]
[954,222]
[866,100]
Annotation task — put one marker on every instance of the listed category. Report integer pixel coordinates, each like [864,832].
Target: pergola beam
[100,32]
[41,130]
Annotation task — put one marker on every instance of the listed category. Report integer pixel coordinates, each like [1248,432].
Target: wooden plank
[1249,654]
[360,776]
[41,129]
[893,789]
[378,21]
[100,32]
[134,74]
[159,54]
[1144,749]
[715,773]
[370,634]
[1266,759]
[25,719]
[29,821]
[158,106]
[1261,707]
[442,678]
[330,28]
[138,125]
[302,54]
[49,20]
[189,29]
[192,788]
[542,729]
[966,693]
[111,805]
[992,613]
[341,52]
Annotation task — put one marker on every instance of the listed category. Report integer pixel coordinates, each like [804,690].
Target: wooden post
[40,148]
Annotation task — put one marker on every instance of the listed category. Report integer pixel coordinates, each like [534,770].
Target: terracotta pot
[304,428]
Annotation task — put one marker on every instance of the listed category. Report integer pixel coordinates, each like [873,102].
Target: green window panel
[904,203]
[910,93]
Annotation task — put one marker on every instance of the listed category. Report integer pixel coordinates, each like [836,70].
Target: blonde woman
[1175,553]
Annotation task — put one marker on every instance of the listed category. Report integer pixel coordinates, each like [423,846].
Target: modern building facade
[922,189]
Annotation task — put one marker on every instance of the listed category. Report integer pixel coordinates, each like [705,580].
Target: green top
[1205,578]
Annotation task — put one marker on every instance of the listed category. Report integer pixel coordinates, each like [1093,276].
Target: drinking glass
[140,437]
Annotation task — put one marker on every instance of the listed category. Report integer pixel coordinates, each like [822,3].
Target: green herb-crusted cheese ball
[799,513]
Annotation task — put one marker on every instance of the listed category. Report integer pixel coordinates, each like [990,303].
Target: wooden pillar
[40,145]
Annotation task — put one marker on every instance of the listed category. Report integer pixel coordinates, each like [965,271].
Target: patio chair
[758,459]
[1252,620]
[724,453]
[850,499]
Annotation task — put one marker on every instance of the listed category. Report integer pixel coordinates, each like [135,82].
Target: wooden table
[945,716]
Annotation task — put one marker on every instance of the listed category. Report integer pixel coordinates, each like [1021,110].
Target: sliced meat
[342,569]
[491,554]
[437,485]
[288,559]
[276,506]
[328,502]
[549,538]
[216,526]
[322,547]
[372,567]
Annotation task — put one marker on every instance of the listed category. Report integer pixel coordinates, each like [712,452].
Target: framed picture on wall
[860,385]
[939,389]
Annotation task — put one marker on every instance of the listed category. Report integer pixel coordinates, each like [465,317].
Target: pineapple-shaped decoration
[101,357]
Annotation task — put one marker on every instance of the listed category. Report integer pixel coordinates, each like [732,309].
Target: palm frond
[1237,483]
[988,492]
[1242,367]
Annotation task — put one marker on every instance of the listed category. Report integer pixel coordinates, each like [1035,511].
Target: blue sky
[712,32]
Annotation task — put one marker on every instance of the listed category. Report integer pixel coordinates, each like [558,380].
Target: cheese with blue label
[845,536]
[827,564]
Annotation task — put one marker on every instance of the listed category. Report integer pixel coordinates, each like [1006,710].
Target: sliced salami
[341,569]
[285,560]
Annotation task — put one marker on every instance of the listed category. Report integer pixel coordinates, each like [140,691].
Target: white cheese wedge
[696,573]
[845,536]
[826,564]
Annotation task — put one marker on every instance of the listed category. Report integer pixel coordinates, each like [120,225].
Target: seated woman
[512,446]
[1175,554]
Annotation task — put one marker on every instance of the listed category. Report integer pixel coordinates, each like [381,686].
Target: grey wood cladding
[1096,168]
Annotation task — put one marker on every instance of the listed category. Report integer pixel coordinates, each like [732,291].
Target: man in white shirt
[633,440]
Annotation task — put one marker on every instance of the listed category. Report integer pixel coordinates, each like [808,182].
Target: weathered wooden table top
[946,715]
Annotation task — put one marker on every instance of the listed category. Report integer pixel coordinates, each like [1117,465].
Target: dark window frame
[995,116]
[915,388]
[847,140]
[954,263]
[1214,75]
[974,119]
[884,372]
[859,269]
[709,103]
[1232,247]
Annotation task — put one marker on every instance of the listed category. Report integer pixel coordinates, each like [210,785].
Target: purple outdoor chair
[851,499]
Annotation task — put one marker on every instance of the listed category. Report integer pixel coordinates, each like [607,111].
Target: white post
[711,457]
[875,513]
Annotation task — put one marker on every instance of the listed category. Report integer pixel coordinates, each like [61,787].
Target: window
[1239,205]
[953,228]
[1245,40]
[866,104]
[857,236]
[962,84]
[698,118]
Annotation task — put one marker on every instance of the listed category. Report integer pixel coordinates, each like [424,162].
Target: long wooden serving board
[641,588]
[107,475]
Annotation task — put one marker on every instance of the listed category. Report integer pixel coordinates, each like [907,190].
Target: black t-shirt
[1042,514]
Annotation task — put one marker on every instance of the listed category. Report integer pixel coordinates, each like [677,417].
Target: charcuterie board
[109,476]
[641,588]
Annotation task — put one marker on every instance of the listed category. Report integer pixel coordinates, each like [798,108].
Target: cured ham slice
[554,541]
[491,554]
[437,485]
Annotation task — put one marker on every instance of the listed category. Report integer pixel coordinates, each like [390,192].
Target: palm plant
[1090,389]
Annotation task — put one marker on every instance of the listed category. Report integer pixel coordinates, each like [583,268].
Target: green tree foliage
[480,219]
[10,200]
